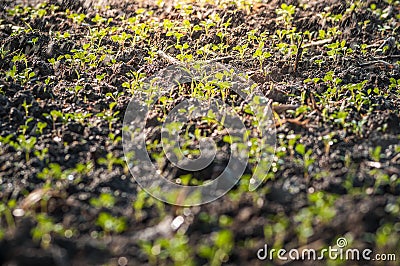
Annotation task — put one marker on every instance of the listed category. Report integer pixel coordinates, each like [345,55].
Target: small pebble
[177,222]
[122,261]
[18,212]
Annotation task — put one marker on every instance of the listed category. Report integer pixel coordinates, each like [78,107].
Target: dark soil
[362,191]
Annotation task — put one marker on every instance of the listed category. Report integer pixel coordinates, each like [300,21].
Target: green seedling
[307,158]
[285,14]
[223,244]
[24,144]
[44,229]
[41,154]
[104,200]
[5,211]
[261,55]
[110,115]
[111,224]
[375,153]
[110,161]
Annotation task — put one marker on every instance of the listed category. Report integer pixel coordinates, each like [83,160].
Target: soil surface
[67,196]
